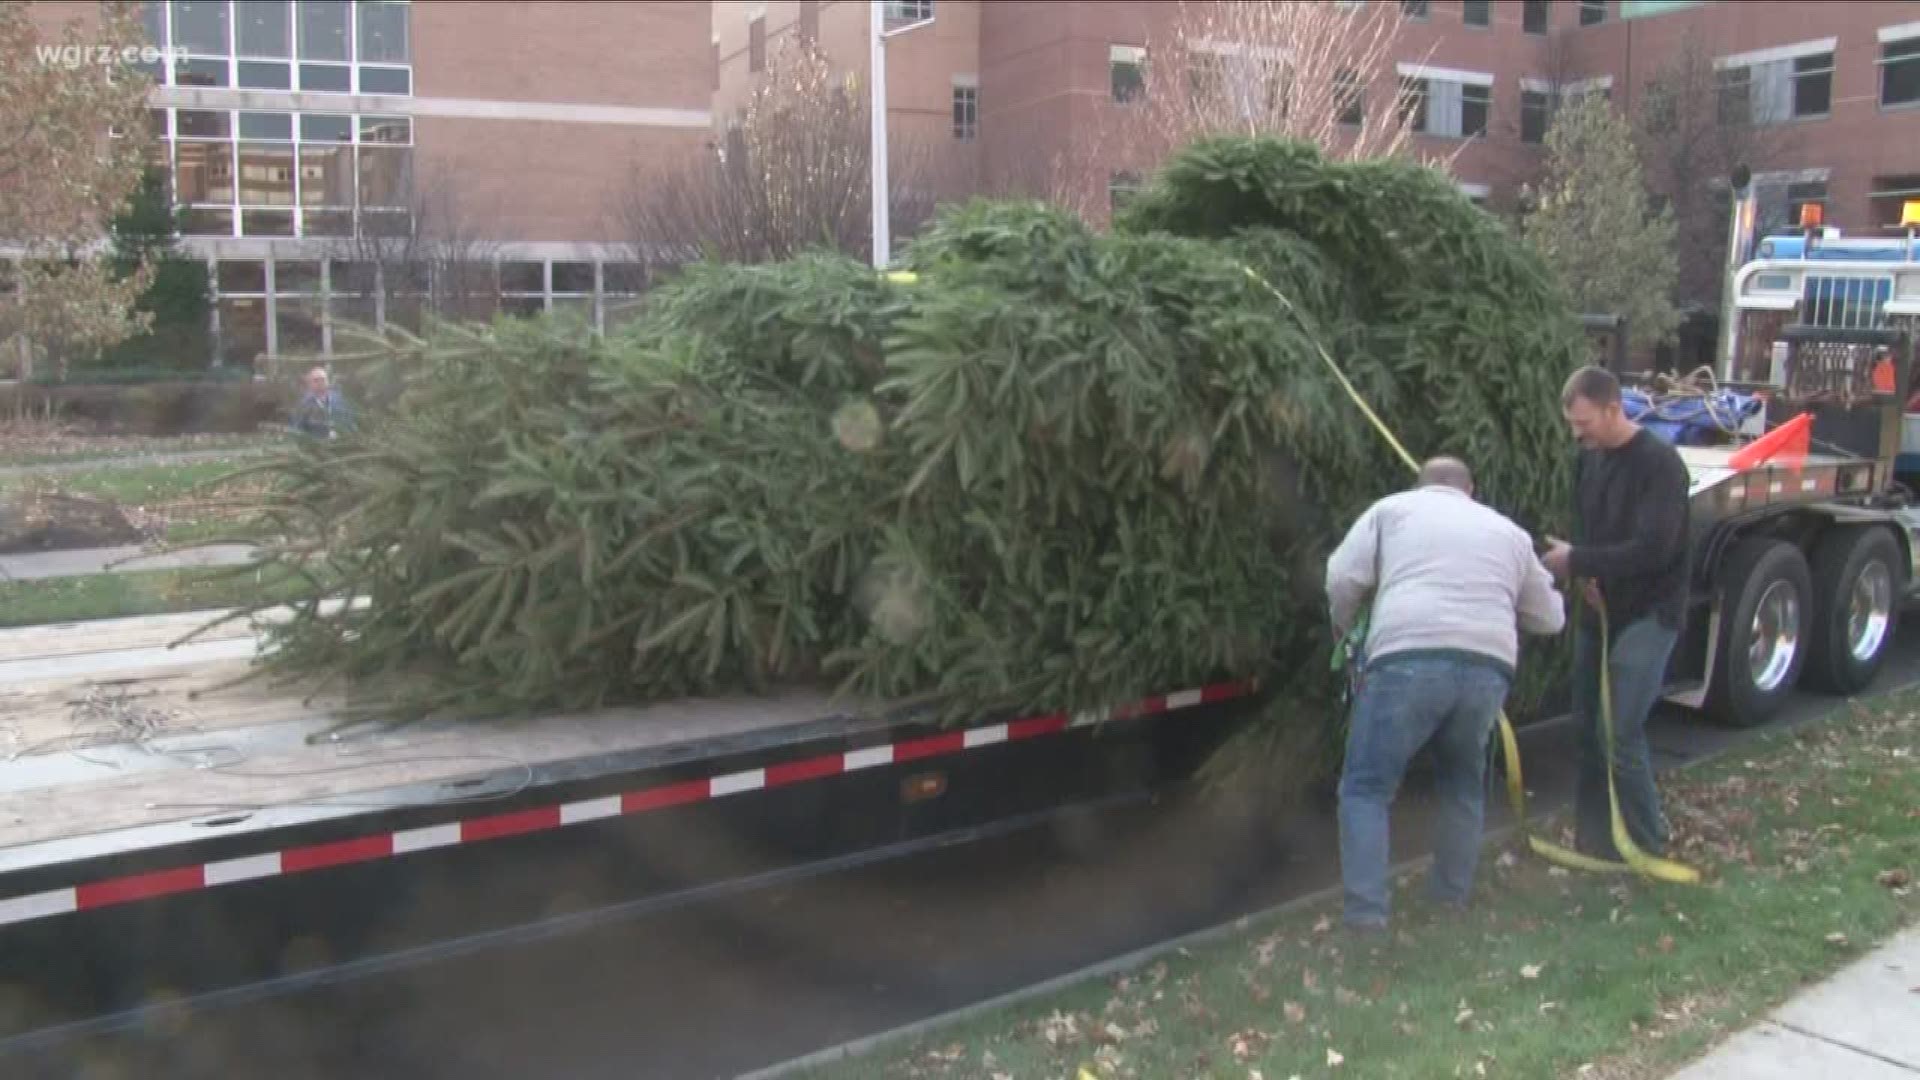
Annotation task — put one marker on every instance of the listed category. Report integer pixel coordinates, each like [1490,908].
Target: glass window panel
[383,32]
[265,75]
[356,310]
[325,127]
[386,130]
[203,172]
[405,311]
[577,310]
[153,20]
[386,80]
[573,277]
[266,28]
[627,278]
[521,307]
[200,73]
[350,278]
[1476,12]
[157,123]
[1476,105]
[241,276]
[296,276]
[243,331]
[326,78]
[388,223]
[200,26]
[266,175]
[206,222]
[326,222]
[1127,70]
[266,223]
[324,30]
[522,277]
[386,176]
[326,177]
[257,125]
[408,278]
[198,124]
[299,327]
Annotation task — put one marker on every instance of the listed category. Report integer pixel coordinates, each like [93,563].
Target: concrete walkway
[83,561]
[1862,1024]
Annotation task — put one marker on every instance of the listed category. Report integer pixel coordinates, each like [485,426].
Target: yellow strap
[1636,860]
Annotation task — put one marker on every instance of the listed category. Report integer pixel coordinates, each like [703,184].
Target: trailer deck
[105,747]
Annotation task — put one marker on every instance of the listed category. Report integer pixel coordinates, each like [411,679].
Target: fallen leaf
[1324,925]
[1116,1033]
[1836,938]
[1548,1006]
[1530,971]
[1665,944]
[1334,1058]
[1295,1012]
[1464,1018]
[1309,980]
[1344,996]
[1894,879]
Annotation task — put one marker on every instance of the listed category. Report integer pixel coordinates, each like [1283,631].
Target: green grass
[117,450]
[1805,839]
[133,485]
[145,592]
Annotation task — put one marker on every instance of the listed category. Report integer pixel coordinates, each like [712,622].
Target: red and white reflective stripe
[125,890]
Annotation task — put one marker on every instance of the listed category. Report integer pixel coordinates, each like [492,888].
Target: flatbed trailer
[171,836]
[1803,561]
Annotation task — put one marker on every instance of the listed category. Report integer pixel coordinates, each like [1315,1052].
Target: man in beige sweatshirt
[1453,583]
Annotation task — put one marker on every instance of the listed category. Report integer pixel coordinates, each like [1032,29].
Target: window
[1812,85]
[1121,188]
[1476,13]
[809,21]
[966,112]
[1352,97]
[1533,16]
[1476,107]
[909,10]
[1900,72]
[1413,103]
[1249,83]
[1883,201]
[757,44]
[265,29]
[200,27]
[1413,9]
[1536,112]
[1457,107]
[383,33]
[1805,193]
[1127,66]
[326,32]
[1776,89]
[1593,12]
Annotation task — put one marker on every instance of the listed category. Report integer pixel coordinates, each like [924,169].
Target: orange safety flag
[1883,381]
[1789,442]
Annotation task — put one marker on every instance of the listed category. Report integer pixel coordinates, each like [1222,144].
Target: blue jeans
[1638,664]
[1403,704]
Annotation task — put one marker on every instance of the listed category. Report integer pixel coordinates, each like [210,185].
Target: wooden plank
[48,716]
[139,632]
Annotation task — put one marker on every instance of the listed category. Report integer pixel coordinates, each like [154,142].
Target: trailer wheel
[1766,593]
[1857,582]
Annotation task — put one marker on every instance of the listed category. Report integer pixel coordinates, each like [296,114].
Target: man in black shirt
[1630,548]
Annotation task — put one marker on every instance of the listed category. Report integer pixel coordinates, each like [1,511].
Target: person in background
[1453,583]
[323,412]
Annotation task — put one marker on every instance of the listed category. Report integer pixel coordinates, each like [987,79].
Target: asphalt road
[742,983]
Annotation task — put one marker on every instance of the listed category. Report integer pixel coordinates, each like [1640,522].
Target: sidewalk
[83,561]
[1861,1024]
[128,461]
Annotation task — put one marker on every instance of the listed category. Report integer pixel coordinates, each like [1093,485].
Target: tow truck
[1806,542]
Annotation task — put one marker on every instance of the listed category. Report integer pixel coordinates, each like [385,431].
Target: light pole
[877,85]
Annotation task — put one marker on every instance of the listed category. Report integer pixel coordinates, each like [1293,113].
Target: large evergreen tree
[146,233]
[1591,222]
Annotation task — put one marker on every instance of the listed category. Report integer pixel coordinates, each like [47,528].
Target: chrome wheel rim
[1775,637]
[1869,611]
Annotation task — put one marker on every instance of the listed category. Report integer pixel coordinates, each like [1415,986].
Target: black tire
[1754,567]
[1845,562]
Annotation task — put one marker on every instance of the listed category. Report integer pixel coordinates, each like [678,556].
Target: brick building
[1019,79]
[305,139]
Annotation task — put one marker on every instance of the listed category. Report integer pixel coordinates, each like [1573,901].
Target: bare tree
[790,173]
[433,258]
[1691,139]
[1321,73]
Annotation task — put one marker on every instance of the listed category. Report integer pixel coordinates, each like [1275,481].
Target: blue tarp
[1690,419]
